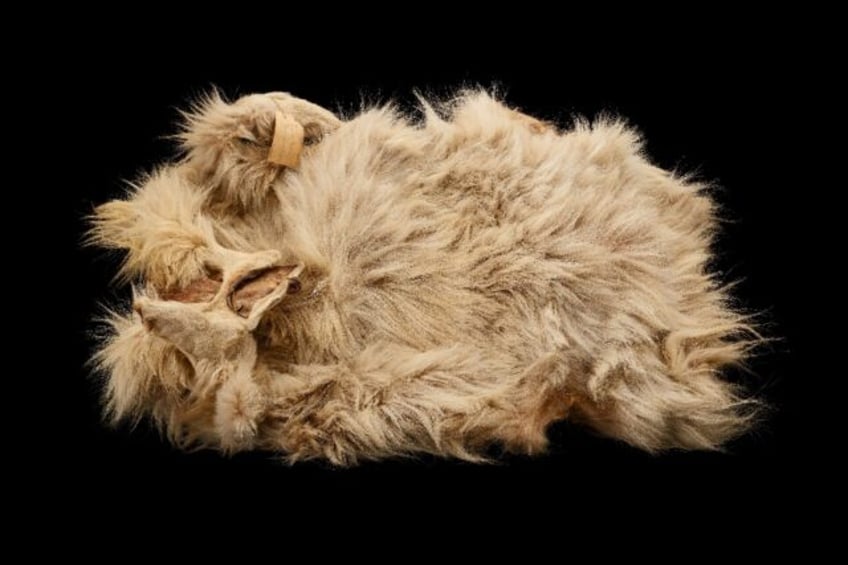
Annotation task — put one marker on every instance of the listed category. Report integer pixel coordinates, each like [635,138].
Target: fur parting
[464,281]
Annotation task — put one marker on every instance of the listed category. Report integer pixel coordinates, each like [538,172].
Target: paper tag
[288,141]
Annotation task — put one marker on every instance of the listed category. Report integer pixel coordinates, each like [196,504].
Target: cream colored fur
[465,282]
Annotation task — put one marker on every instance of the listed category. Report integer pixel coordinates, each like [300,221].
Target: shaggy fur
[461,282]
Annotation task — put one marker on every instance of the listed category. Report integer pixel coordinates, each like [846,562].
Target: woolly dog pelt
[413,287]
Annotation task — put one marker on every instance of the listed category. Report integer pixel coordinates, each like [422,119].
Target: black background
[720,112]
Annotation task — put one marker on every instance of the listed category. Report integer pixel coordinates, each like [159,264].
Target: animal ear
[282,281]
[112,223]
[183,325]
[287,141]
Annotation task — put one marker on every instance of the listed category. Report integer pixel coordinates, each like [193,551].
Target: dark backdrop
[718,114]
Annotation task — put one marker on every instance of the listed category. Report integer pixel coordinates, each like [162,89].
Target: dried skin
[245,293]
[199,290]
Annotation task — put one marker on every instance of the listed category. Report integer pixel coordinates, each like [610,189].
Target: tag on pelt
[288,141]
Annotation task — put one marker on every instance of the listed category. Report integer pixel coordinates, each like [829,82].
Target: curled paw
[239,149]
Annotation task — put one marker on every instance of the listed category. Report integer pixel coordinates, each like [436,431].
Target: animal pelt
[441,285]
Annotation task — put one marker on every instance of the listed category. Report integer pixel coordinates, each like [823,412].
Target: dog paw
[239,149]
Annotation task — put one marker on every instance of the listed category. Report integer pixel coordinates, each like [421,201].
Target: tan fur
[465,281]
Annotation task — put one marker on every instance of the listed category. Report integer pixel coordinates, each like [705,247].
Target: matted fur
[466,281]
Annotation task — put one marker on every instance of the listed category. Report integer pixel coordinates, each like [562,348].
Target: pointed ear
[286,282]
[169,319]
[195,332]
[111,223]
